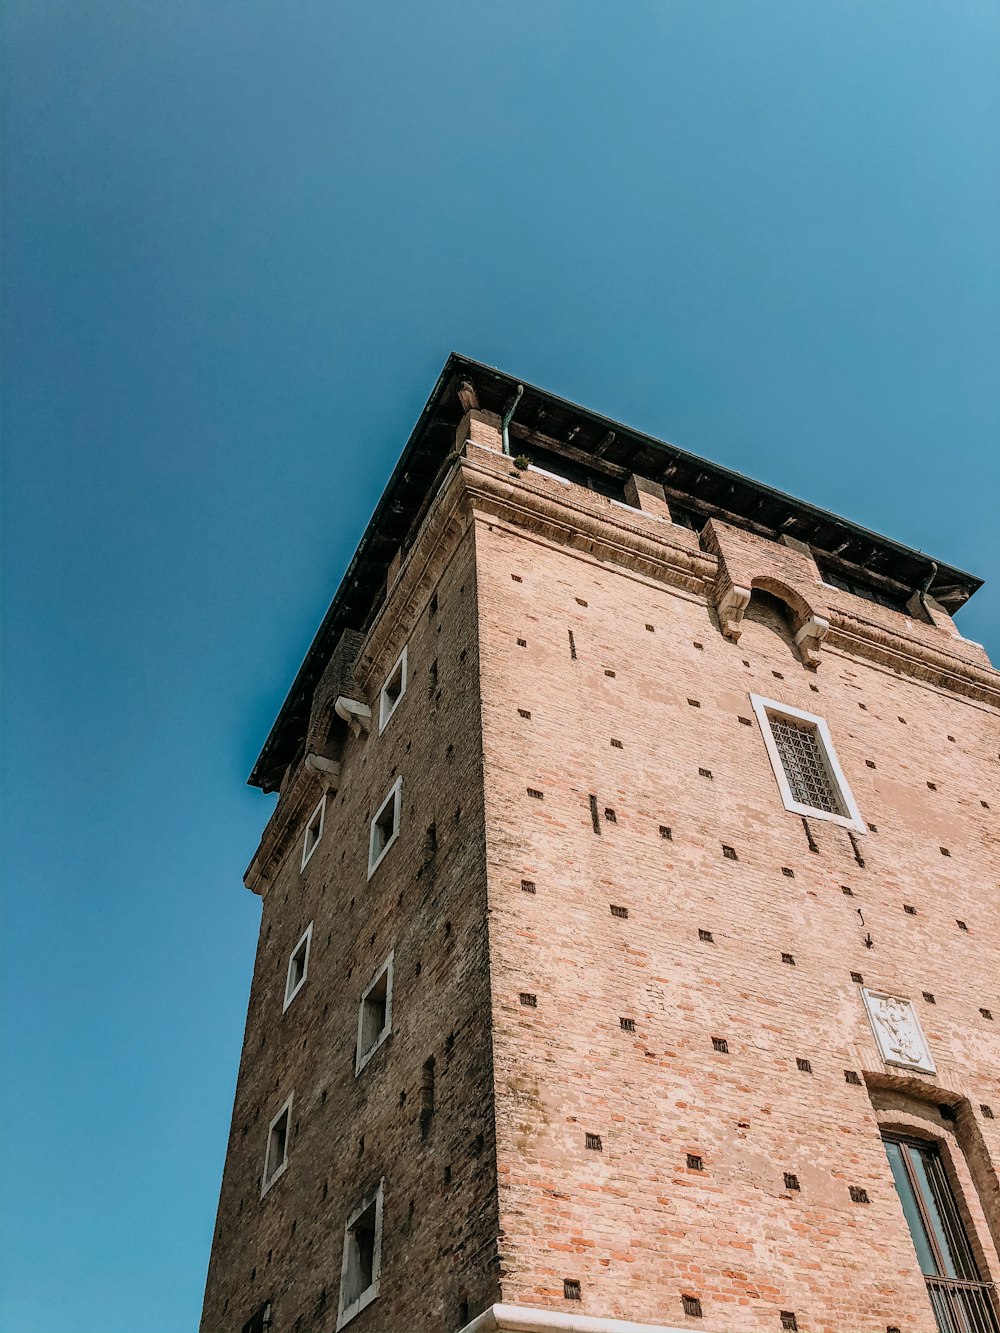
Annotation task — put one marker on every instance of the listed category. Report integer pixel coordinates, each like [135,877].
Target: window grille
[805,765]
[961,1300]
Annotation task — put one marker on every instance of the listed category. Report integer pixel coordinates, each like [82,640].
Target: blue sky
[239,241]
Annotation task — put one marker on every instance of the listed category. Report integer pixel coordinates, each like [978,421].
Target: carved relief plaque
[897,1031]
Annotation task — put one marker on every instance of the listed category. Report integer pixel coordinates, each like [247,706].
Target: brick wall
[632,691]
[428,906]
[582,685]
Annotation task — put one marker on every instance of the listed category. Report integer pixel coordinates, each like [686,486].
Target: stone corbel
[809,639]
[730,607]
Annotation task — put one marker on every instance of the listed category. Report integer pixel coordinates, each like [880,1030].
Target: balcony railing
[962,1307]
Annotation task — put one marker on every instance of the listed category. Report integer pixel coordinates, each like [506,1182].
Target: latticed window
[805,765]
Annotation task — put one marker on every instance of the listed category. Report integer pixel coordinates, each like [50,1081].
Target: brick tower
[629,950]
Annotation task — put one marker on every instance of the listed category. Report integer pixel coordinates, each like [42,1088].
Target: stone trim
[502,1318]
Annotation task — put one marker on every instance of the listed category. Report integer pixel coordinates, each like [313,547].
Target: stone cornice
[910,656]
[300,793]
[613,533]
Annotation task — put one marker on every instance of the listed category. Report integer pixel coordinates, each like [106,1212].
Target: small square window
[313,833]
[385,826]
[805,764]
[392,691]
[374,1015]
[276,1150]
[298,967]
[362,1263]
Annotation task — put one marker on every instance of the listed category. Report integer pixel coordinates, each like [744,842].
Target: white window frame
[362,1057]
[266,1181]
[365,1298]
[305,941]
[309,847]
[387,707]
[764,708]
[395,797]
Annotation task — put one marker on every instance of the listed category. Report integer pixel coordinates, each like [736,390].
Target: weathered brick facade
[596,884]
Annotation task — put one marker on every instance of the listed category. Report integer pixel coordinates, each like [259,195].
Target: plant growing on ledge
[522,462]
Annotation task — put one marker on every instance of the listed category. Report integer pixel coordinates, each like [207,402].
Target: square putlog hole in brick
[721,1045]
[729,853]
[571,1289]
[593,1142]
[695,1162]
[528,1000]
[692,1306]
[621,912]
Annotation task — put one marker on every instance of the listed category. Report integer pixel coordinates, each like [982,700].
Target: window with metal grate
[805,765]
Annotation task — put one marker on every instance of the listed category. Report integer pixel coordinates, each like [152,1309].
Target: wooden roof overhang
[591,447]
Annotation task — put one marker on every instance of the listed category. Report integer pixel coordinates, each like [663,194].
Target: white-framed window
[392,691]
[298,967]
[362,1263]
[385,826]
[805,764]
[314,831]
[374,1015]
[279,1133]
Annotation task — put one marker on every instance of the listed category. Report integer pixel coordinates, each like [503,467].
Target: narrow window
[314,831]
[276,1150]
[959,1297]
[298,967]
[392,691]
[427,1096]
[374,1015]
[385,826]
[359,1273]
[259,1321]
[805,764]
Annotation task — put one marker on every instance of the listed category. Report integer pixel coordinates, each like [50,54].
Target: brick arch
[902,1107]
[747,562]
[800,609]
